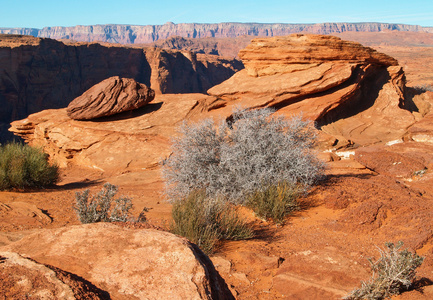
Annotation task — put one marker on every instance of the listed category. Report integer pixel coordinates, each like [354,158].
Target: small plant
[275,201]
[22,166]
[205,221]
[393,273]
[102,207]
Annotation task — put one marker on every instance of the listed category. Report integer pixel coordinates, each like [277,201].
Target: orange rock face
[128,263]
[109,97]
[290,53]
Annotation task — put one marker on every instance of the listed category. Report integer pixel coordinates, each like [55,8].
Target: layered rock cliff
[353,93]
[136,34]
[38,74]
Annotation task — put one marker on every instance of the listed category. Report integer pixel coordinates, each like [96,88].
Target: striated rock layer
[136,34]
[109,97]
[354,94]
[324,78]
[38,74]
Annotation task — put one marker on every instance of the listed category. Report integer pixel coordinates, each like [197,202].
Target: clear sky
[44,13]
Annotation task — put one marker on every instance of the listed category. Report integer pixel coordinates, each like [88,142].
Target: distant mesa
[141,34]
[109,97]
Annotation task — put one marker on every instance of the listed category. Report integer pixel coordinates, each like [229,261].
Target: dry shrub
[204,221]
[393,273]
[275,201]
[102,207]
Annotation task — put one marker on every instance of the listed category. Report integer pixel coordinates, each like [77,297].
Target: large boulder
[111,96]
[127,263]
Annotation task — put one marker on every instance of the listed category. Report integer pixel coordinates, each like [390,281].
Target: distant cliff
[39,73]
[135,34]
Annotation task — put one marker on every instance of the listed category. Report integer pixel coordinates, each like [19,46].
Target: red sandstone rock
[127,263]
[265,56]
[109,97]
[23,278]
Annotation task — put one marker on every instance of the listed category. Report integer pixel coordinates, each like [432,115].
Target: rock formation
[136,34]
[342,87]
[145,131]
[127,263]
[375,134]
[323,77]
[23,278]
[109,97]
[38,74]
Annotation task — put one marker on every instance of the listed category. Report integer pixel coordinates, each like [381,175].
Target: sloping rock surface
[38,74]
[109,97]
[23,278]
[127,263]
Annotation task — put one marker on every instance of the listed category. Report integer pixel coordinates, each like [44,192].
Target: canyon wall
[136,34]
[38,73]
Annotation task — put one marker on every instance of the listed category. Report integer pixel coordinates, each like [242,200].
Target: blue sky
[44,13]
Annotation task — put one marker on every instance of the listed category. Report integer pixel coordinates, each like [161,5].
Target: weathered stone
[109,97]
[127,263]
[23,278]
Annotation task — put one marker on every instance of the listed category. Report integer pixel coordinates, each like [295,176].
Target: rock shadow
[74,185]
[363,99]
[146,109]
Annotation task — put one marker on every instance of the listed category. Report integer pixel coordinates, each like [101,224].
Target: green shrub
[102,207]
[204,221]
[234,158]
[22,166]
[393,273]
[275,201]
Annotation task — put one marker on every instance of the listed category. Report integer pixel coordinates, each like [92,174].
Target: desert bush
[22,166]
[102,207]
[235,158]
[204,221]
[393,273]
[275,201]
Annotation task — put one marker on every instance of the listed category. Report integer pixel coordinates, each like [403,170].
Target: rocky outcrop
[127,263]
[101,145]
[136,34]
[109,97]
[354,94]
[324,78]
[23,278]
[38,74]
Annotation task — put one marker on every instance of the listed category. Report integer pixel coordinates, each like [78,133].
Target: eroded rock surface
[23,278]
[127,263]
[327,80]
[109,97]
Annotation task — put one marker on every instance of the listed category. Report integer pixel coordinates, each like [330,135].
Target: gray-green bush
[393,273]
[232,159]
[102,207]
[22,166]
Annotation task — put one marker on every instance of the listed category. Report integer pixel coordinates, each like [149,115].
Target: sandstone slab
[127,263]
[23,278]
